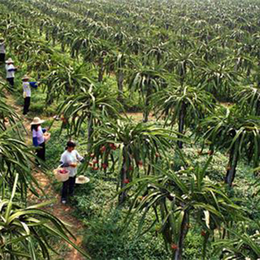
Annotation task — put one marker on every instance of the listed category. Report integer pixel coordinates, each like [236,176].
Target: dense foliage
[175,62]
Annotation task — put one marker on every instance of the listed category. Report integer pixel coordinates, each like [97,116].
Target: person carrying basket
[69,161]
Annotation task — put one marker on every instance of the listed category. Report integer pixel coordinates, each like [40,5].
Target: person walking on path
[39,137]
[2,50]
[27,93]
[69,160]
[10,70]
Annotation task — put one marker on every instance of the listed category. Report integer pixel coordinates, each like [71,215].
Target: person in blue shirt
[27,93]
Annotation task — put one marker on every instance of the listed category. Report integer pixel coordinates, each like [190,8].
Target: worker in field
[2,50]
[40,137]
[27,93]
[69,161]
[10,71]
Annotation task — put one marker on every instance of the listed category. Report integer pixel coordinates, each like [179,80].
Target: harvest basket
[61,174]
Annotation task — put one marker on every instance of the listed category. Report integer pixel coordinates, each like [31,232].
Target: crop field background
[163,101]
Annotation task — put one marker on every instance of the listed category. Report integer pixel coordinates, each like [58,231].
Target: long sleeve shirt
[27,87]
[38,137]
[10,69]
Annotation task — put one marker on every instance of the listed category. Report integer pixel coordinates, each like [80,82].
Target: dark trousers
[2,57]
[26,105]
[68,187]
[11,81]
[40,153]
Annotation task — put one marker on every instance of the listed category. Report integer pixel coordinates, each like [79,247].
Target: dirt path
[62,212]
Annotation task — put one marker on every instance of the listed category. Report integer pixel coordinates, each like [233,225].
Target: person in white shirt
[69,160]
[2,50]
[27,93]
[10,70]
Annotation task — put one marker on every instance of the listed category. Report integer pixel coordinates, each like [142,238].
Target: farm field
[161,99]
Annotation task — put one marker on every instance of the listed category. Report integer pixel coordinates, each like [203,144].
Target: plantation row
[174,61]
[223,56]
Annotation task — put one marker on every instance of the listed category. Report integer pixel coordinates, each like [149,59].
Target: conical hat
[82,179]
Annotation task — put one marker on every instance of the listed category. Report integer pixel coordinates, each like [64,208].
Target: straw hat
[37,121]
[9,61]
[82,179]
[25,77]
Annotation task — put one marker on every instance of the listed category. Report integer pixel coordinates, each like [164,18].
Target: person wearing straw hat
[27,93]
[2,50]
[38,137]
[10,70]
[69,160]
